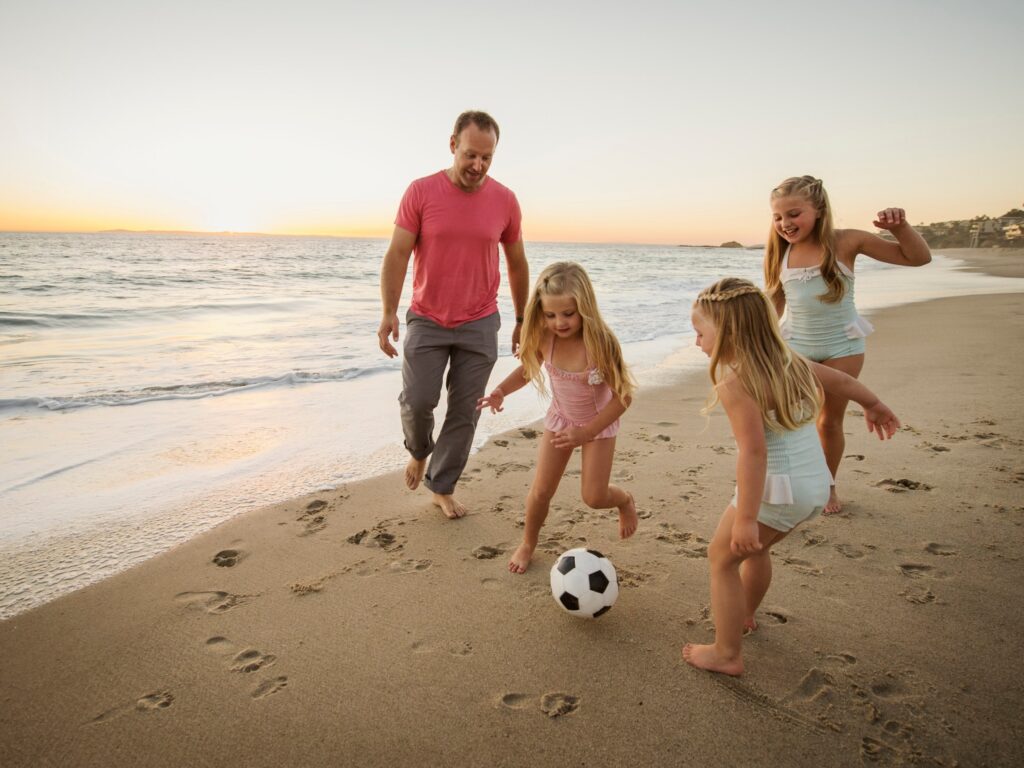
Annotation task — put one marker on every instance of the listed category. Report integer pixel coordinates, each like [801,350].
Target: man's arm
[518,283]
[392,278]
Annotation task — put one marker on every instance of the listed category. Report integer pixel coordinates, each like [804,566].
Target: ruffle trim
[859,328]
[777,490]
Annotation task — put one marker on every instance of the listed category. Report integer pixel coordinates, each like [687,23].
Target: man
[453,220]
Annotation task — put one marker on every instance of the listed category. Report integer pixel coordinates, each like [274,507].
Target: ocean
[154,385]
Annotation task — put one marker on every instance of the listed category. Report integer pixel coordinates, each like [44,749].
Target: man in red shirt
[453,221]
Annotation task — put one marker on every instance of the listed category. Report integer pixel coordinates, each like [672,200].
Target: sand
[359,627]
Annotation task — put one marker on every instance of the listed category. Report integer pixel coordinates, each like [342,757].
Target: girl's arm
[779,301]
[513,382]
[575,436]
[879,417]
[751,464]
[909,250]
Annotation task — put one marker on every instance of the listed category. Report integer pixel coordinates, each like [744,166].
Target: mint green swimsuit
[798,483]
[813,328]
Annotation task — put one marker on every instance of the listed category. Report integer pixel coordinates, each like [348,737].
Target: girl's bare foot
[707,657]
[628,519]
[749,625]
[520,559]
[414,473]
[452,509]
[834,505]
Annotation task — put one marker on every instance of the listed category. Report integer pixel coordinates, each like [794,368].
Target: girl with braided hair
[772,397]
[591,387]
[808,272]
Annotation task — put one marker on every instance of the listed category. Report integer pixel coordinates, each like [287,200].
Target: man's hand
[388,327]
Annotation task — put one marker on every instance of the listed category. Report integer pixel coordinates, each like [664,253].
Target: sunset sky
[660,122]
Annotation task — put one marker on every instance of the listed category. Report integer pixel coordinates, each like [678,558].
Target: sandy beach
[359,627]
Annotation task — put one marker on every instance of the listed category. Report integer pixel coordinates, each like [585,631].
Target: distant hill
[978,232]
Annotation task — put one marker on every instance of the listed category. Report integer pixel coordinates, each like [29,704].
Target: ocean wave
[82,319]
[195,391]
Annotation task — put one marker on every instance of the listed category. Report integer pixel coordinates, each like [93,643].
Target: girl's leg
[728,601]
[598,493]
[756,574]
[830,425]
[551,463]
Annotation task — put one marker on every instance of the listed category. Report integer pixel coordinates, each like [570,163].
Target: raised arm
[909,250]
[879,417]
[751,464]
[392,278]
[518,283]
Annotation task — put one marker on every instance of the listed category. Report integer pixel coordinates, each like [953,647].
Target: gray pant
[469,351]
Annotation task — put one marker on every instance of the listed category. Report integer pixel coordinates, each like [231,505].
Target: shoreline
[358,627]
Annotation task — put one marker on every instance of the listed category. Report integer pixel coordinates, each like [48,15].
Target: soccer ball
[584,583]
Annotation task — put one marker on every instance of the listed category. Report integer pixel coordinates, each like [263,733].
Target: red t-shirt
[455,266]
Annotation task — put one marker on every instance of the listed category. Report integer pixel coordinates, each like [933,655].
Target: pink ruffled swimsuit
[576,397]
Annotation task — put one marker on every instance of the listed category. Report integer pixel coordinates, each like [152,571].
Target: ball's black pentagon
[569,601]
[595,553]
[566,564]
[599,582]
[603,611]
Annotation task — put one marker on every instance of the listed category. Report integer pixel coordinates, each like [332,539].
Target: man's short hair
[481,120]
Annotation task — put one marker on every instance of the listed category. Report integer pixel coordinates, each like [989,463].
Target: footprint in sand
[269,687]
[228,558]
[211,602]
[816,686]
[919,595]
[851,551]
[314,518]
[486,552]
[558,704]
[854,456]
[409,566]
[915,570]
[802,566]
[151,702]
[943,550]
[813,539]
[933,447]
[518,701]
[379,537]
[902,485]
[529,434]
[491,584]
[773,617]
[890,687]
[250,660]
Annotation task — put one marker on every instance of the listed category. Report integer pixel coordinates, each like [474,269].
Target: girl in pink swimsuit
[591,387]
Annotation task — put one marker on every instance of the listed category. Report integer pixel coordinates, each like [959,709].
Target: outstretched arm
[392,277]
[879,417]
[495,401]
[909,250]
[518,283]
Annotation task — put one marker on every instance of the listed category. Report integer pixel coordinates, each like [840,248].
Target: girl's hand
[891,218]
[570,438]
[493,401]
[881,420]
[746,539]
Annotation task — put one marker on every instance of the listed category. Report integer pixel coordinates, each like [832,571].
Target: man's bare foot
[520,559]
[707,657]
[452,509]
[628,519]
[834,505]
[414,473]
[749,625]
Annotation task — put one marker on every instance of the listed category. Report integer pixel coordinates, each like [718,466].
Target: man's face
[473,150]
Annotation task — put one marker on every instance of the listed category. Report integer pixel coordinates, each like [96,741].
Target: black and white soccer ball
[584,583]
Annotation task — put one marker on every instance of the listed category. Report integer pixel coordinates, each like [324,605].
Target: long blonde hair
[749,344]
[813,191]
[566,278]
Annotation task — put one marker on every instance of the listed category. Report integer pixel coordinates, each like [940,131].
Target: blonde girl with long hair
[772,397]
[565,337]
[808,273]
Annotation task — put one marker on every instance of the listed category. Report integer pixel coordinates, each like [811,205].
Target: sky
[646,122]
